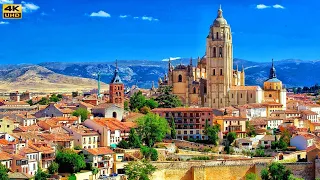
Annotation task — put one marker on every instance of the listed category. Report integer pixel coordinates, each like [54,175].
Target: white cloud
[149,18]
[29,7]
[171,59]
[43,14]
[136,17]
[6,1]
[123,16]
[3,22]
[278,6]
[262,6]
[100,14]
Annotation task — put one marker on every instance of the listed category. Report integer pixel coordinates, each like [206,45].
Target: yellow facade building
[213,82]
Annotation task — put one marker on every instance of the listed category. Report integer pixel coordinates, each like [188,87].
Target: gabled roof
[100,151]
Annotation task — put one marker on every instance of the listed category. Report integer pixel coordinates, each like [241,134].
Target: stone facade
[213,82]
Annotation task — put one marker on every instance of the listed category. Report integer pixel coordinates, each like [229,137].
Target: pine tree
[173,128]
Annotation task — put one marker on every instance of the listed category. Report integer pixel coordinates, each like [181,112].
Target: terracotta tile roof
[56,137]
[278,112]
[182,109]
[268,138]
[113,124]
[288,111]
[230,118]
[27,150]
[312,105]
[16,103]
[133,117]
[86,104]
[258,121]
[253,105]
[100,151]
[28,128]
[5,156]
[130,124]
[106,105]
[3,142]
[247,88]
[308,112]
[272,104]
[26,116]
[18,157]
[41,147]
[66,110]
[83,130]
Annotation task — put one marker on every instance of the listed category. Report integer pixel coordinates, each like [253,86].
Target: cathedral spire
[116,78]
[272,71]
[220,12]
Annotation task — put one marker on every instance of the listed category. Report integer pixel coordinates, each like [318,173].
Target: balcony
[47,157]
[103,165]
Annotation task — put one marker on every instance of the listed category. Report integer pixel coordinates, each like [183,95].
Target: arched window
[114,114]
[251,95]
[118,87]
[214,100]
[205,90]
[116,100]
[217,35]
[180,78]
[231,95]
[241,95]
[119,93]
[270,95]
[214,52]
[214,72]
[220,51]
[221,72]
[221,100]
[194,90]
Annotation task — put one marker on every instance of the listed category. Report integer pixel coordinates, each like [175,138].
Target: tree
[69,161]
[166,99]
[137,100]
[139,170]
[72,177]
[4,172]
[231,136]
[212,133]
[259,152]
[40,175]
[44,101]
[95,171]
[250,129]
[123,144]
[126,105]
[134,140]
[75,94]
[276,171]
[145,110]
[60,96]
[54,98]
[81,112]
[30,102]
[251,176]
[149,153]
[152,128]
[53,168]
[206,126]
[77,147]
[173,128]
[151,103]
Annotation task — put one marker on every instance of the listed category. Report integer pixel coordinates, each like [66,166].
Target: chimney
[50,129]
[79,119]
[91,117]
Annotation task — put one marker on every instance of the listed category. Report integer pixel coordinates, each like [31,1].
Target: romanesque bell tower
[116,88]
[219,62]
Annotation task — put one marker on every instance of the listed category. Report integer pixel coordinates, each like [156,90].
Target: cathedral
[213,82]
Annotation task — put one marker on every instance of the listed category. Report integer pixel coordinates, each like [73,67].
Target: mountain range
[142,72]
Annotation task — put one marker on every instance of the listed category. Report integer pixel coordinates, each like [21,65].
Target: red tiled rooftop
[100,151]
[182,109]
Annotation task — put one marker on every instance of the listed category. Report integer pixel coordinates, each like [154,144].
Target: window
[270,95]
[231,95]
[221,72]
[8,126]
[217,36]
[221,100]
[205,90]
[114,114]
[220,51]
[194,90]
[191,132]
[214,52]
[214,72]
[241,95]
[180,78]
[214,100]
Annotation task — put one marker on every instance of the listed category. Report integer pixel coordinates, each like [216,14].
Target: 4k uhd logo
[12,11]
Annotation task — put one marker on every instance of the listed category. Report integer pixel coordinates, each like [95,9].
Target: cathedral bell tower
[219,62]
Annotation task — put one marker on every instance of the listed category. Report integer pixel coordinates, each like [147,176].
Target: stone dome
[220,20]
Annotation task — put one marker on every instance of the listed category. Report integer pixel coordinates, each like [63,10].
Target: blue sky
[63,30]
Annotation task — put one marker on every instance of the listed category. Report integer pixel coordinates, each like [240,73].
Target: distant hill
[71,76]
[40,79]
[292,72]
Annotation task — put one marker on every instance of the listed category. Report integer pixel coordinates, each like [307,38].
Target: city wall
[217,170]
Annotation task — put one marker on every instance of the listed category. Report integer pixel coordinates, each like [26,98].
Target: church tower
[219,62]
[116,88]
